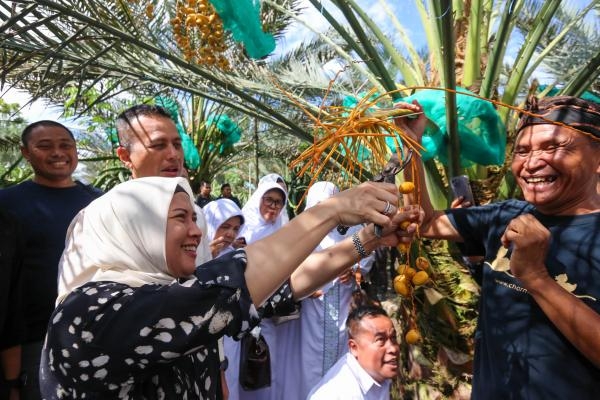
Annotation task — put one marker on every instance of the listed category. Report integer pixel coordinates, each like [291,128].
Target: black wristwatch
[224,364]
[18,382]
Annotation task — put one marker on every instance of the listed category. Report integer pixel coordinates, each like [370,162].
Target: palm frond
[61,43]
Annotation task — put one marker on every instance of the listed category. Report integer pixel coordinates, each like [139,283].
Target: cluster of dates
[412,274]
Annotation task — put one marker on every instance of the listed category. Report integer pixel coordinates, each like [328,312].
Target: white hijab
[283,215]
[255,227]
[203,249]
[216,213]
[271,178]
[318,192]
[120,236]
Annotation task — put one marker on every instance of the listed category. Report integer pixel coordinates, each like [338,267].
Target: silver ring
[388,208]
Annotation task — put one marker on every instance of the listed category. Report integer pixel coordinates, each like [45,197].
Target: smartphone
[461,187]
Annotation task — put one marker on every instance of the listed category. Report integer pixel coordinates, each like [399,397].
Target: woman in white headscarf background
[323,337]
[262,214]
[135,317]
[260,218]
[276,178]
[224,220]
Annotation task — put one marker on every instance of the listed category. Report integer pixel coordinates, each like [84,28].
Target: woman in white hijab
[126,326]
[262,211]
[275,178]
[223,222]
[323,337]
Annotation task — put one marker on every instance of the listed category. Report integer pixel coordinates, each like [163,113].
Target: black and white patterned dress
[107,340]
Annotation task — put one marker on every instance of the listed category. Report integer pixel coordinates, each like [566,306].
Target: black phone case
[461,187]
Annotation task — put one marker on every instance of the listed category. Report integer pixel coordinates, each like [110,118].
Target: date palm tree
[494,47]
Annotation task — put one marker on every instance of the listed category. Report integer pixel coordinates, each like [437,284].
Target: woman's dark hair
[180,189]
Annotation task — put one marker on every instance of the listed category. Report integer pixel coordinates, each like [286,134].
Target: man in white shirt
[372,360]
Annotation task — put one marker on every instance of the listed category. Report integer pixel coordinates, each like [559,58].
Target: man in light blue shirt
[372,360]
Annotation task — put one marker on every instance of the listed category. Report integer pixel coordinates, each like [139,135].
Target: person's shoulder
[337,383]
[89,189]
[19,187]
[15,192]
[513,206]
[510,206]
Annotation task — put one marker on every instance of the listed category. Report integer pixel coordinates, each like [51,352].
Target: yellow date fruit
[420,278]
[422,263]
[412,336]
[406,187]
[401,286]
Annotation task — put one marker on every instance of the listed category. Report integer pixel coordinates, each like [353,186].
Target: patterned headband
[566,110]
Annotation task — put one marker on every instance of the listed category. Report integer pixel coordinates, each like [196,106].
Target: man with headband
[538,334]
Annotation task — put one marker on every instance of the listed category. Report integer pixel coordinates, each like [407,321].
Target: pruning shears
[387,175]
[389,172]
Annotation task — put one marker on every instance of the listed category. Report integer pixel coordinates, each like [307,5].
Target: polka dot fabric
[109,340]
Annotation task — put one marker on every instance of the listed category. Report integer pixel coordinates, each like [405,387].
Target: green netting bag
[190,152]
[481,133]
[230,132]
[242,19]
[112,135]
[586,95]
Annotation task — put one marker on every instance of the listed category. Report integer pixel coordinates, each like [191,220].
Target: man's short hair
[568,110]
[140,110]
[358,314]
[44,123]
[204,183]
[223,186]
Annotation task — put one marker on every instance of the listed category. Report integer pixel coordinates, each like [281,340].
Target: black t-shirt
[234,199]
[11,260]
[519,353]
[44,214]
[202,201]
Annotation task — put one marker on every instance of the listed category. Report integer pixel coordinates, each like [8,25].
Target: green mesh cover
[481,132]
[589,96]
[242,19]
[112,135]
[230,132]
[190,152]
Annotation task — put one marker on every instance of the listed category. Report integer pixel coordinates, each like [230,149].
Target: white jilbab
[104,249]
[323,338]
[255,226]
[216,213]
[275,178]
[203,254]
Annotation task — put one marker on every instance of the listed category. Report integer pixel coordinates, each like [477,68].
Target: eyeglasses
[271,202]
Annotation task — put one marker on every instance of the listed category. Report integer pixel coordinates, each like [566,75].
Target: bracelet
[359,246]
